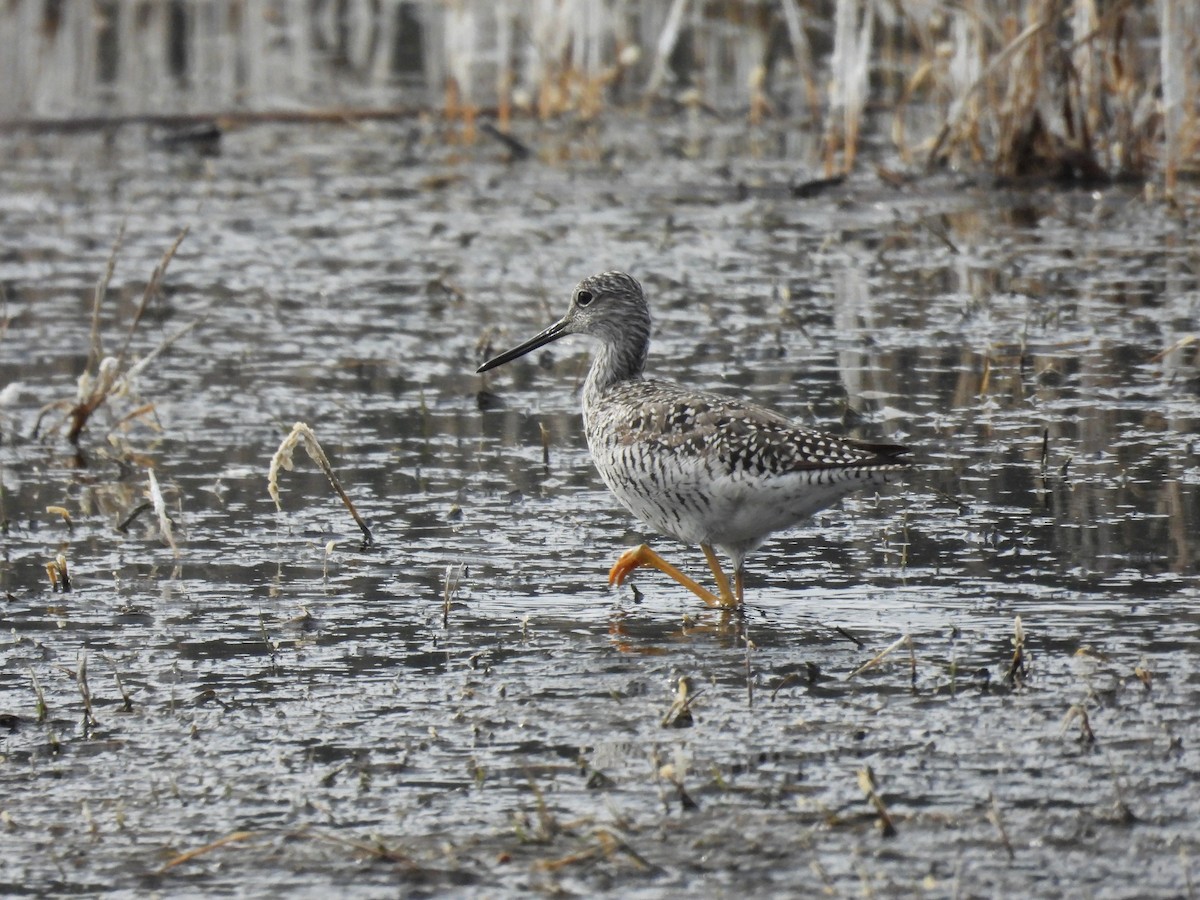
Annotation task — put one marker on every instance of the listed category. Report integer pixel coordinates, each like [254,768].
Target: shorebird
[702,468]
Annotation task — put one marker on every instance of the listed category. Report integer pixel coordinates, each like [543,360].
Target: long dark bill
[553,333]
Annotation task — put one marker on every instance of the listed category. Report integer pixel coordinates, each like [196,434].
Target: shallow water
[321,715]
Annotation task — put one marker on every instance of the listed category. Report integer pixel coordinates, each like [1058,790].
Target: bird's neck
[616,362]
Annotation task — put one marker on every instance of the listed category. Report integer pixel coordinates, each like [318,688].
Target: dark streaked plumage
[703,468]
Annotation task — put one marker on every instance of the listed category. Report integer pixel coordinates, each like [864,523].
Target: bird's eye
[583,298]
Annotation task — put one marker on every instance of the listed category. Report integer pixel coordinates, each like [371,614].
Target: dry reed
[1060,89]
[302,435]
[110,377]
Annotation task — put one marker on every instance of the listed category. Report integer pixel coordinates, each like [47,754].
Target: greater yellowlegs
[702,468]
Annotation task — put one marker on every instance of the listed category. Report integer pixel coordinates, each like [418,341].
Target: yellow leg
[714,564]
[643,556]
[738,585]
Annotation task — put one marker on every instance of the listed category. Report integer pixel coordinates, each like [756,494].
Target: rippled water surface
[466,705]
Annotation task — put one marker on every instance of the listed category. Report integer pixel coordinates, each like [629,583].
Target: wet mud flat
[464,706]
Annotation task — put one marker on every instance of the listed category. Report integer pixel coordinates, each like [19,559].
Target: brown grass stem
[151,291]
[866,783]
[197,852]
[902,641]
[997,820]
[301,434]
[59,575]
[97,346]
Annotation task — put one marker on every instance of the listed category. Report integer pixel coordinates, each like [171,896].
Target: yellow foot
[625,564]
[642,555]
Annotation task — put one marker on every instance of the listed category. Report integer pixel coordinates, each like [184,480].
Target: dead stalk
[85,692]
[902,641]
[97,347]
[165,527]
[282,459]
[995,818]
[197,852]
[866,783]
[454,574]
[63,513]
[680,713]
[1015,676]
[126,700]
[106,377]
[60,576]
[40,695]
[123,525]
[1079,711]
[151,290]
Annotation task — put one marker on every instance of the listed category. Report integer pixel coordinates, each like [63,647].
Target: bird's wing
[741,437]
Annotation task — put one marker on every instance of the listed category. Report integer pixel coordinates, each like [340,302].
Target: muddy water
[305,714]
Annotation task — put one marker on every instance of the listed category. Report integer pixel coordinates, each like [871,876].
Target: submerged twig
[123,525]
[750,648]
[164,344]
[373,850]
[517,150]
[607,845]
[301,433]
